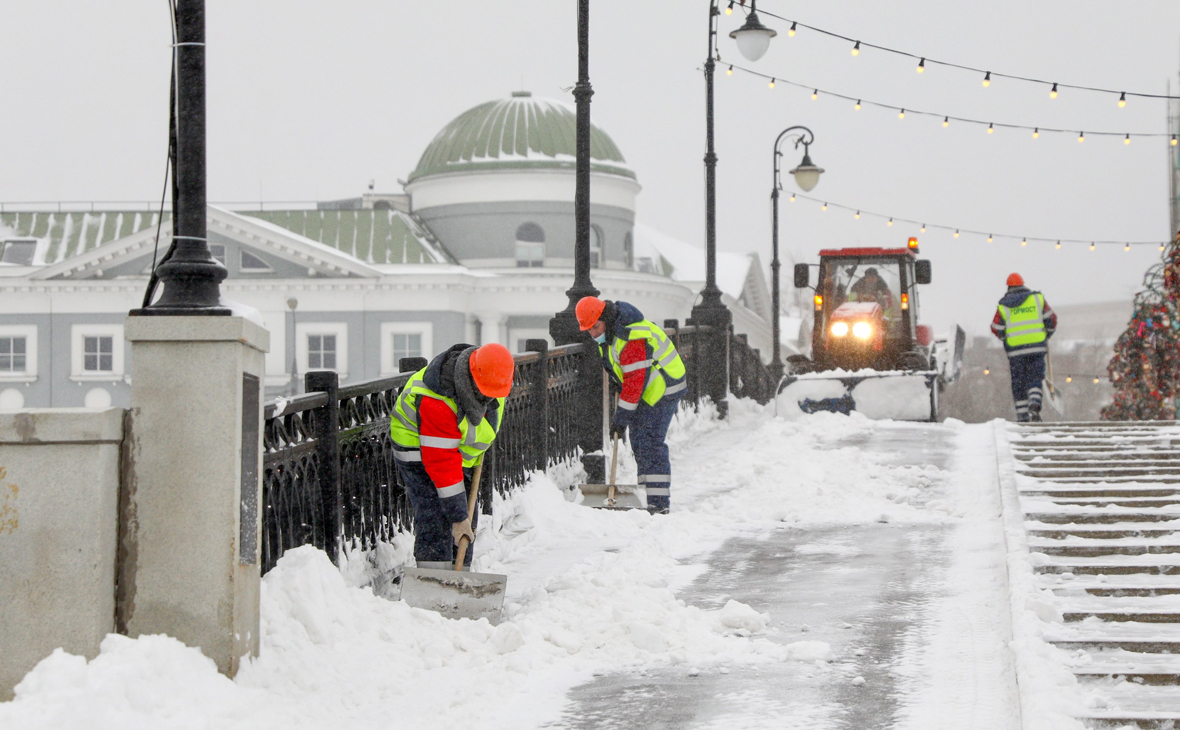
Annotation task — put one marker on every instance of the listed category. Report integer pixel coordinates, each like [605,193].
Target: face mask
[601,339]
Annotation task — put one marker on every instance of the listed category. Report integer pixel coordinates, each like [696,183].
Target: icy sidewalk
[590,593]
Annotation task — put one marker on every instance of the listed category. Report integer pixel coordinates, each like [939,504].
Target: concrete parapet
[59,493]
[191,503]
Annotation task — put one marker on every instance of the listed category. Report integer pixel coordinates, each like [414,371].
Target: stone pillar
[190,509]
[493,327]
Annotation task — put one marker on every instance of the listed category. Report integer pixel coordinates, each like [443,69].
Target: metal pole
[806,137]
[564,325]
[191,277]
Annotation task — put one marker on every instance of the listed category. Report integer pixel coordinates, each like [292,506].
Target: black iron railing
[328,469]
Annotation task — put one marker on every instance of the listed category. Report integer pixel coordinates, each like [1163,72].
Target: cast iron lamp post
[806,177]
[563,328]
[753,39]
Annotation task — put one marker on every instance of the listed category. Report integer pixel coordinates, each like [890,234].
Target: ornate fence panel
[292,514]
[748,377]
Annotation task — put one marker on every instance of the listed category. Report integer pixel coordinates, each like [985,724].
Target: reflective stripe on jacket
[663,370]
[1024,324]
[404,426]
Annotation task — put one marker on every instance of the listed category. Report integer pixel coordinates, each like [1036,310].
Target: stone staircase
[1101,506]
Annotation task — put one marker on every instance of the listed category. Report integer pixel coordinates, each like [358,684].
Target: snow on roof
[68,234]
[381,236]
[688,262]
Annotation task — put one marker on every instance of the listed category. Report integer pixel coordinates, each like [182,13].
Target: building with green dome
[477,248]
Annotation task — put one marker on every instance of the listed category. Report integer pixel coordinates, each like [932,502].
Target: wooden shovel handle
[471,497]
[614,463]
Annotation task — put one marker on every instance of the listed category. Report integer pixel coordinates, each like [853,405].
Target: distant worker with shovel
[1024,323]
[643,363]
[446,417]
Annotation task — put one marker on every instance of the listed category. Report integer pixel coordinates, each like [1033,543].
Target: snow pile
[590,591]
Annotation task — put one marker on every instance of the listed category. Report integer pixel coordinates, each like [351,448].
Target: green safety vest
[403,426]
[1025,324]
[664,360]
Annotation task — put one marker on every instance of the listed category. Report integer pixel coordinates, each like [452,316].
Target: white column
[493,328]
[192,501]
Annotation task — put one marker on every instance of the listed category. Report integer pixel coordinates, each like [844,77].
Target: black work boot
[1034,412]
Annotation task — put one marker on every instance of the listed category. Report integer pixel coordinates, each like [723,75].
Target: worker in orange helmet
[646,369]
[1024,322]
[446,416]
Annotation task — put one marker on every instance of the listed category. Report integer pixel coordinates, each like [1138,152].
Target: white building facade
[478,249]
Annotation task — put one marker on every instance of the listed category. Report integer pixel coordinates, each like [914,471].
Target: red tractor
[869,352]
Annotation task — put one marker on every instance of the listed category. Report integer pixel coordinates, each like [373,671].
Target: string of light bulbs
[958,231]
[902,112]
[926,61]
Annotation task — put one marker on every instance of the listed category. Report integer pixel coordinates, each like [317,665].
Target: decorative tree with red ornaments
[1145,369]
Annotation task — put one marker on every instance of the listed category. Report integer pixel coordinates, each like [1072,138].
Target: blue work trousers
[1028,375]
[648,429]
[434,546]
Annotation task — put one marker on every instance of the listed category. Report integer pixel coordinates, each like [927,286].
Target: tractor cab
[866,309]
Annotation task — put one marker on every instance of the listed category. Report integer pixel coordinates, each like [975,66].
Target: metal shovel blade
[455,594]
[598,496]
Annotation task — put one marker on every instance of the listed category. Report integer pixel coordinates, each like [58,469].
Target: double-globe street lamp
[752,39]
[806,177]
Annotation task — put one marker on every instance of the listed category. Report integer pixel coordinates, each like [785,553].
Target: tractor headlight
[840,329]
[862,330]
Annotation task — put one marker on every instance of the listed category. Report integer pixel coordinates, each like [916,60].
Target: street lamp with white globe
[753,38]
[806,177]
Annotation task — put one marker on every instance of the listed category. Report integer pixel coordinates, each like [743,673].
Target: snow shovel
[1052,396]
[611,496]
[457,593]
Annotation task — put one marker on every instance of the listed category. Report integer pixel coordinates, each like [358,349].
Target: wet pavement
[863,589]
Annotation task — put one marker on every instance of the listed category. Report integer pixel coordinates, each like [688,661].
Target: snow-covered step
[1150,502]
[1111,531]
[1075,490]
[1099,584]
[1129,701]
[1095,631]
[1112,457]
[1067,514]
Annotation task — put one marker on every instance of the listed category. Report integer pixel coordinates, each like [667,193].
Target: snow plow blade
[897,395]
[598,496]
[455,594]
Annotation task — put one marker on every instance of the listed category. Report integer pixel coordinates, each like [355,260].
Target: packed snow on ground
[590,591]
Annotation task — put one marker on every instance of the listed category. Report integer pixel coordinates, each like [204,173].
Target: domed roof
[522,132]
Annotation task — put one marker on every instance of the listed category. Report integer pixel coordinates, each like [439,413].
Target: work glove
[619,423]
[462,529]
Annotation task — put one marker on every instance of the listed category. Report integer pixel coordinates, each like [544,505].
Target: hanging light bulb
[856,49]
[956,233]
[1053,92]
[1127,247]
[922,229]
[1081,136]
[987,79]
[814,94]
[857,107]
[729,71]
[1036,132]
[771,84]
[1024,242]
[1095,380]
[890,222]
[921,65]
[1173,140]
[1059,244]
[792,197]
[946,122]
[991,128]
[791,32]
[901,114]
[990,238]
[1127,139]
[1092,245]
[824,206]
[1122,100]
[857,216]
[1069,378]
[987,371]
[729,9]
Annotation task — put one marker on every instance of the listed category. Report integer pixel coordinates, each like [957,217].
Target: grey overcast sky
[311,100]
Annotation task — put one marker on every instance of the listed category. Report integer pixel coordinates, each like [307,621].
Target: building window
[321,352]
[19,252]
[13,354]
[250,262]
[217,250]
[596,240]
[404,339]
[98,354]
[628,250]
[530,245]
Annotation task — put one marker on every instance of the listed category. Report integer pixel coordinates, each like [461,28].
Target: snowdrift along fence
[328,467]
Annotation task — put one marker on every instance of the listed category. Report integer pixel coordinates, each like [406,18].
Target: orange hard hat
[491,369]
[1015,280]
[589,309]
